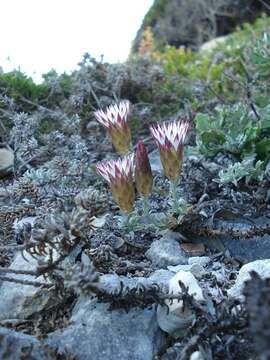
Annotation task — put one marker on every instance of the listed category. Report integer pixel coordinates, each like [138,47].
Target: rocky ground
[73,285]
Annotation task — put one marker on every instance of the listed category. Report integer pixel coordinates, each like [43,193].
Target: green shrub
[17,85]
[235,130]
[213,66]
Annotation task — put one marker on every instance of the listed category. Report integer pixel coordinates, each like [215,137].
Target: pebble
[262,268]
[6,161]
[165,252]
[200,260]
[174,318]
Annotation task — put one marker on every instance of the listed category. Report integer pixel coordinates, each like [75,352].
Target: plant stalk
[173,196]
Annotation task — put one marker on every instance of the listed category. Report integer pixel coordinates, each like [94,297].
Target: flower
[114,119]
[143,172]
[118,173]
[170,138]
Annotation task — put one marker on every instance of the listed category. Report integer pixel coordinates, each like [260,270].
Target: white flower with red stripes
[115,171]
[170,135]
[115,115]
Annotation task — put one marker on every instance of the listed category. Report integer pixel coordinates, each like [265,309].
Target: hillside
[190,23]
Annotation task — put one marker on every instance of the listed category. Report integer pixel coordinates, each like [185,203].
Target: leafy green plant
[239,170]
[18,85]
[260,56]
[236,130]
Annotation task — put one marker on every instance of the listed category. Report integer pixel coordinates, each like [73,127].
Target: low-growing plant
[169,137]
[247,168]
[19,86]
[235,130]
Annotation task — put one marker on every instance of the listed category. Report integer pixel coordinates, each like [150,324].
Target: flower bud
[143,172]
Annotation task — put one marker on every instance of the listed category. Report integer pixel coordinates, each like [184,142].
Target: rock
[262,268]
[174,318]
[190,282]
[196,269]
[18,346]
[161,277]
[166,251]
[155,162]
[3,193]
[244,247]
[201,260]
[26,221]
[193,249]
[97,333]
[19,301]
[177,268]
[197,355]
[211,44]
[6,161]
[248,250]
[112,282]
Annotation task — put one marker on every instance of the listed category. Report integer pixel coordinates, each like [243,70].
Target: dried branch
[25,282]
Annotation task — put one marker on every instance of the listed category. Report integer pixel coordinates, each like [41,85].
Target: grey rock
[244,248]
[211,44]
[155,162]
[17,346]
[196,269]
[111,283]
[161,277]
[177,268]
[19,301]
[200,260]
[6,161]
[248,250]
[19,225]
[175,317]
[166,251]
[197,355]
[174,323]
[262,268]
[96,333]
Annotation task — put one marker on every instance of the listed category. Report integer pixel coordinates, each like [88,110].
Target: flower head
[114,119]
[170,138]
[143,172]
[118,173]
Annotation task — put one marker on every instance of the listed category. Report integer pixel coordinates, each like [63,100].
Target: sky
[38,35]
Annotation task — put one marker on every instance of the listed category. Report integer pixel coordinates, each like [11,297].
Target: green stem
[146,207]
[146,213]
[125,219]
[173,195]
